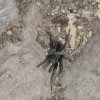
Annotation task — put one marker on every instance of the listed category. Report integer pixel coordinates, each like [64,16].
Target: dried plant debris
[12,34]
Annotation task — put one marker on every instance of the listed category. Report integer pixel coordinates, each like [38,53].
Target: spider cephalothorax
[55,56]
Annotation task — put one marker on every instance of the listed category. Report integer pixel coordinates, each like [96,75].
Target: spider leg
[51,68]
[60,65]
[53,73]
[51,39]
[45,61]
[46,65]
[50,35]
[53,61]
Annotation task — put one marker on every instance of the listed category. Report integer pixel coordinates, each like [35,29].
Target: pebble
[63,11]
[89,34]
[86,14]
[9,32]
[52,14]
[71,16]
[80,27]
[59,29]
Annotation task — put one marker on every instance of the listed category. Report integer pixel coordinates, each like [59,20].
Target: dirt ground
[24,45]
[86,23]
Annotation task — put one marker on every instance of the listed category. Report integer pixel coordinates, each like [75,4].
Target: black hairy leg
[46,61]
[53,73]
[60,65]
[55,56]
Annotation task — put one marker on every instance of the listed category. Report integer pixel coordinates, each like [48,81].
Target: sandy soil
[21,80]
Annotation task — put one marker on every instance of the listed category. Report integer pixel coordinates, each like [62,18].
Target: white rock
[90,34]
[59,29]
[80,27]
[9,32]
[71,16]
[63,11]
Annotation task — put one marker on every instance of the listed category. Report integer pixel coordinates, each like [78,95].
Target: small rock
[52,14]
[71,16]
[9,32]
[63,11]
[90,34]
[80,27]
[81,33]
[86,14]
[59,29]
[84,41]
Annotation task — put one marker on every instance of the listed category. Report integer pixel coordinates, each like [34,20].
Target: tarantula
[55,56]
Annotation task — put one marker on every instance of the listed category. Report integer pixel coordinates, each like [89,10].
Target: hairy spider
[55,56]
